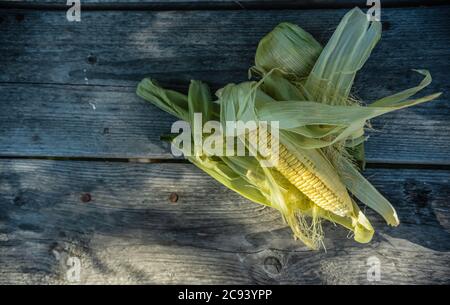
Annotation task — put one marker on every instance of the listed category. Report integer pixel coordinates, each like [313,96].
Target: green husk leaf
[237,102]
[231,177]
[332,77]
[200,101]
[396,98]
[170,101]
[367,194]
[289,48]
[277,86]
[293,114]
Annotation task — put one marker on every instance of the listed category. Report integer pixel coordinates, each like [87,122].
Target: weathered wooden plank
[122,47]
[112,122]
[174,47]
[118,220]
[216,4]
[80,121]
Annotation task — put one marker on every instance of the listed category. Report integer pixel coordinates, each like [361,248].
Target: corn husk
[307,89]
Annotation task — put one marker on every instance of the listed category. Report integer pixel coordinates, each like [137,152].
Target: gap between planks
[385,164]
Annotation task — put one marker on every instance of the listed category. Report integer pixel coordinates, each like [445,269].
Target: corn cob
[311,177]
[303,178]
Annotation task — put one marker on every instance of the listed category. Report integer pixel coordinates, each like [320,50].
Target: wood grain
[214,4]
[80,121]
[118,220]
[56,72]
[67,90]
[112,122]
[122,47]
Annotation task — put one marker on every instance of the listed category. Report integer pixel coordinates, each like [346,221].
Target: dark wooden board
[67,90]
[214,4]
[105,55]
[128,231]
[112,122]
[80,121]
[122,47]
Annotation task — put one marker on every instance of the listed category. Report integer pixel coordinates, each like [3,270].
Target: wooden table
[84,176]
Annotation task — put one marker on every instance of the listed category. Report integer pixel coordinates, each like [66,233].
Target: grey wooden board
[122,47]
[40,119]
[112,122]
[234,4]
[129,232]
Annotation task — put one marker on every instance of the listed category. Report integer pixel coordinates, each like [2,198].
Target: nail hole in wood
[86,197]
[173,197]
[92,59]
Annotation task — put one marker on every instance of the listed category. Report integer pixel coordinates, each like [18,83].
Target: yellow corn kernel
[305,180]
